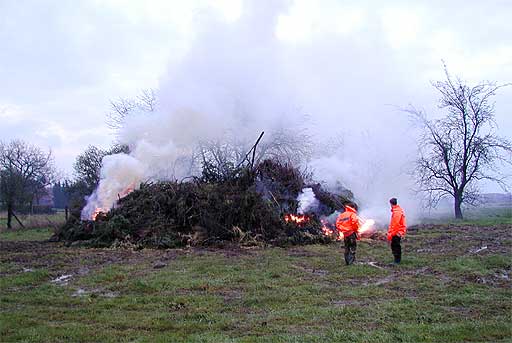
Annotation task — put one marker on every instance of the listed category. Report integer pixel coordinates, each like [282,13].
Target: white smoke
[307,201]
[374,174]
[240,77]
[118,173]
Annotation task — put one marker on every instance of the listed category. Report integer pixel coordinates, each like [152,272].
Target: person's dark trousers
[396,248]
[350,248]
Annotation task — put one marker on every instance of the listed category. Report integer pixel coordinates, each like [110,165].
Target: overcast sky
[61,62]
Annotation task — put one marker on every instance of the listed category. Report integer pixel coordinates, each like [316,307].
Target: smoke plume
[240,77]
[307,201]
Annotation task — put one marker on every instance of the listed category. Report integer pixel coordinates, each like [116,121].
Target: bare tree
[147,100]
[121,108]
[221,157]
[293,146]
[460,149]
[25,171]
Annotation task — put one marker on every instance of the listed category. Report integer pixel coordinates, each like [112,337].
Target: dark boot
[396,248]
[350,249]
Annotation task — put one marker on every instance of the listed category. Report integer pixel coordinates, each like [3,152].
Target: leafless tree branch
[121,108]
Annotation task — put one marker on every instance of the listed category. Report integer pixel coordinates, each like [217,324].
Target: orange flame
[127,191]
[330,230]
[299,219]
[124,193]
[367,226]
[95,213]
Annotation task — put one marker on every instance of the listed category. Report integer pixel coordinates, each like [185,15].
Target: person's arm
[338,224]
[392,225]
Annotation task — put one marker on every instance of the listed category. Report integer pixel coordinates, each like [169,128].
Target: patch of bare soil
[227,250]
[301,252]
[465,231]
[464,239]
[60,260]
[312,271]
[231,295]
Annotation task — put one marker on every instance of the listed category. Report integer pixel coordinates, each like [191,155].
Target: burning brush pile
[272,203]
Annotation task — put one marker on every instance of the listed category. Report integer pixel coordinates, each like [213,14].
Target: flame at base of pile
[96,213]
[98,210]
[330,230]
[299,219]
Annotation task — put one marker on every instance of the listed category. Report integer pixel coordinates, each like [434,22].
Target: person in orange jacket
[348,224]
[397,229]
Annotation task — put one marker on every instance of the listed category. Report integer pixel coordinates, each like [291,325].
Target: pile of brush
[247,208]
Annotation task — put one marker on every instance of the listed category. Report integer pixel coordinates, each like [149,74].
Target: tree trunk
[458,203]
[9,216]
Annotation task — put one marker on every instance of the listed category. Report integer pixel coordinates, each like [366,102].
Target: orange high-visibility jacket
[348,222]
[397,225]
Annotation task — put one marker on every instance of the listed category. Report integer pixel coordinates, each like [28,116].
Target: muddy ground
[454,285]
[438,241]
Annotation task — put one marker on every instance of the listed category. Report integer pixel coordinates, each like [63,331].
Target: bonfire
[270,203]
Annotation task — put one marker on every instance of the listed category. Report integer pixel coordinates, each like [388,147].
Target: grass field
[453,286]
[482,216]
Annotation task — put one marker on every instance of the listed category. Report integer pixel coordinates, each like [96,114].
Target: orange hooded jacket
[348,222]
[397,225]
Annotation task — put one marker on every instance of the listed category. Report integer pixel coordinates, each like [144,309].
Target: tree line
[28,174]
